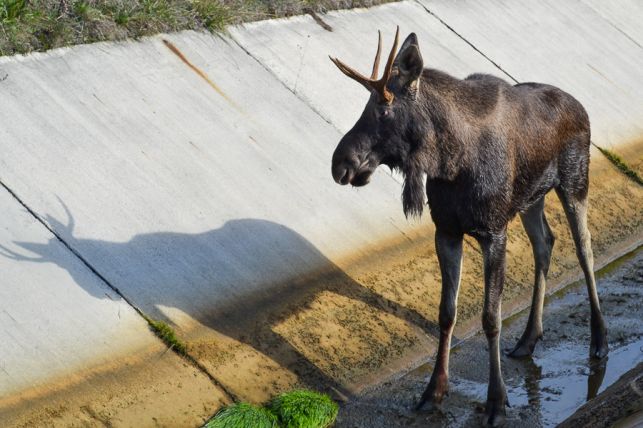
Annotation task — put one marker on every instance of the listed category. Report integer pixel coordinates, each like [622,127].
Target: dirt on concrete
[156,388]
[543,390]
[361,323]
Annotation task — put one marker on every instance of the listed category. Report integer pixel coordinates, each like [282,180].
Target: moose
[487,150]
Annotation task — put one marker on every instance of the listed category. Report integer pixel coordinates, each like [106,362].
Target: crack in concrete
[230,395]
[609,21]
[278,79]
[467,41]
[294,92]
[514,79]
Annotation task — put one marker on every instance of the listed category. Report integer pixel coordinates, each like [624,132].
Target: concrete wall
[194,177]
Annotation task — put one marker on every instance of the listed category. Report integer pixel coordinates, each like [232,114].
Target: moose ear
[409,60]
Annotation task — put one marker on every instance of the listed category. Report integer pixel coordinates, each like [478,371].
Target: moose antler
[372,83]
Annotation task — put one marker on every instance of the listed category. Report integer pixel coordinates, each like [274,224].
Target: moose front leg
[449,251]
[493,250]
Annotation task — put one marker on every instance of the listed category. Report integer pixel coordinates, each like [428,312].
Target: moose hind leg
[542,242]
[576,212]
[449,251]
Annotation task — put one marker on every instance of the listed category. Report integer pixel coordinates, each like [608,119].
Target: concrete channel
[186,178]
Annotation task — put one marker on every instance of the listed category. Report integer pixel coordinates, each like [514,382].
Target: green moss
[243,415]
[10,10]
[304,409]
[621,165]
[213,14]
[165,332]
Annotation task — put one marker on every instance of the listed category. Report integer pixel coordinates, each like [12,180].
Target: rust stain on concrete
[200,72]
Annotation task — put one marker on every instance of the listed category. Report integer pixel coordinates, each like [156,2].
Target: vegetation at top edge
[165,332]
[38,25]
[294,409]
[621,165]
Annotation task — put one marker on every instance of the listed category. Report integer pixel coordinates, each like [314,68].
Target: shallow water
[542,390]
[560,381]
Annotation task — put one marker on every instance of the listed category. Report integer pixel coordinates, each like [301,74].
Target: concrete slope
[156,166]
[192,171]
[193,181]
[568,44]
[57,336]
[296,51]
[623,15]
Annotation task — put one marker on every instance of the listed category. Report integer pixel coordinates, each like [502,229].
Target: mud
[543,390]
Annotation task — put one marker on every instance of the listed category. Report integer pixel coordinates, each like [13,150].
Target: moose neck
[449,125]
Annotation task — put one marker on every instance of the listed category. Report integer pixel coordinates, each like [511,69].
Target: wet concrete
[543,390]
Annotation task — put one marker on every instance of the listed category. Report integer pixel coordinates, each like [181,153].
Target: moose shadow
[240,280]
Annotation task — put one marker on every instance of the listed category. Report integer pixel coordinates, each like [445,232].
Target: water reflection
[596,377]
[562,379]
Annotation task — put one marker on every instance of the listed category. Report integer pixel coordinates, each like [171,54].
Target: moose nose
[344,168]
[342,175]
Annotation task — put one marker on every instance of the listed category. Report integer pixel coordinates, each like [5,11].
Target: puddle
[543,390]
[560,381]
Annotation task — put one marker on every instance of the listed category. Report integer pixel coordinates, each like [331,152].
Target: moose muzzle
[351,166]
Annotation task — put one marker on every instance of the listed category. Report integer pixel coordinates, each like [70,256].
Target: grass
[621,165]
[38,25]
[243,415]
[167,335]
[305,409]
[295,409]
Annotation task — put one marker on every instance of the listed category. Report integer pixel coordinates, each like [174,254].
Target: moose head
[387,132]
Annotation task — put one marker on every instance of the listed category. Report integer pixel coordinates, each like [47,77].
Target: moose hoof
[428,405]
[430,402]
[432,398]
[522,349]
[495,414]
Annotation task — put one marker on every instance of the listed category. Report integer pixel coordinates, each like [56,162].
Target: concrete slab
[57,336]
[44,312]
[567,44]
[155,166]
[196,184]
[296,51]
[624,15]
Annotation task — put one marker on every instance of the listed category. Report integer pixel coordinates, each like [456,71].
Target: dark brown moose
[488,150]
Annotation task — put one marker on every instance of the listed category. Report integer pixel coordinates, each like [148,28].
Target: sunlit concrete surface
[623,15]
[182,195]
[569,44]
[296,50]
[192,180]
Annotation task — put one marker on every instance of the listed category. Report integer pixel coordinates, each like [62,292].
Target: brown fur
[488,151]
